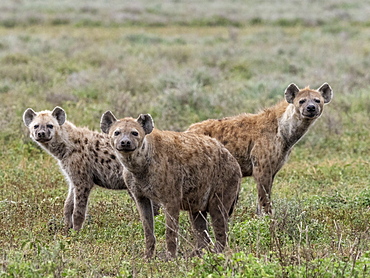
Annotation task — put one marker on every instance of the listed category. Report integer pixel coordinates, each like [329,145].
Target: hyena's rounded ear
[326,92]
[146,121]
[28,116]
[59,114]
[291,92]
[107,120]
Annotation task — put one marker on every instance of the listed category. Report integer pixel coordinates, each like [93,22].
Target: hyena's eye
[50,126]
[116,133]
[134,133]
[36,126]
[302,101]
[317,100]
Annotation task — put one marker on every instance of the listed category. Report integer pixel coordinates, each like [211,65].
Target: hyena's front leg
[264,184]
[263,174]
[145,209]
[81,196]
[68,208]
[264,180]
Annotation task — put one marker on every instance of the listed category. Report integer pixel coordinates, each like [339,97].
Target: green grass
[183,62]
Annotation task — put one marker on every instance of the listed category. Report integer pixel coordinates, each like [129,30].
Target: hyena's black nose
[41,134]
[125,143]
[311,108]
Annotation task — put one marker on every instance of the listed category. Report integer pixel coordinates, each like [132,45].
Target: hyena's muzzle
[43,133]
[311,109]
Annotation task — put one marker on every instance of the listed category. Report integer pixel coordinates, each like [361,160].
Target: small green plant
[233,265]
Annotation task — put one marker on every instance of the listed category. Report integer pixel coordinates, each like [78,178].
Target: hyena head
[309,103]
[126,134]
[45,124]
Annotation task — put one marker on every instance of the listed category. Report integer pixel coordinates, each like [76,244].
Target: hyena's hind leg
[200,226]
[219,212]
[172,227]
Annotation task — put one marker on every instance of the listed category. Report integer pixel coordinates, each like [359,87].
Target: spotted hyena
[262,142]
[85,157]
[181,171]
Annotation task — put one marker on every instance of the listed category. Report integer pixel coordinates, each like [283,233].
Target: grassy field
[182,62]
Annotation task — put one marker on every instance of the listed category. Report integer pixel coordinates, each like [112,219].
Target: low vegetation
[183,62]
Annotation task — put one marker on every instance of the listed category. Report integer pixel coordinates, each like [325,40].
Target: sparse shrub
[143,39]
[9,22]
[216,20]
[88,22]
[256,21]
[4,88]
[60,21]
[16,58]
[241,70]
[289,22]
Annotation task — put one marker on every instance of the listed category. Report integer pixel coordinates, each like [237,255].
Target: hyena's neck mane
[64,141]
[291,126]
